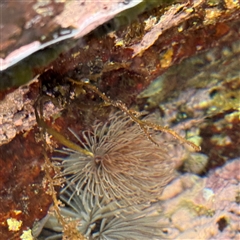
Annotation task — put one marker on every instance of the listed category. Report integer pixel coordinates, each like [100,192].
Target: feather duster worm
[105,222]
[125,164]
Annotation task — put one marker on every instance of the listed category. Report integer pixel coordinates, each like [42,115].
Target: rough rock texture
[204,208]
[201,94]
[22,193]
[191,207]
[29,26]
[162,37]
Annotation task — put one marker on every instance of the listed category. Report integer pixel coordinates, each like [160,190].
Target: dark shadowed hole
[97,227]
[165,231]
[213,93]
[222,223]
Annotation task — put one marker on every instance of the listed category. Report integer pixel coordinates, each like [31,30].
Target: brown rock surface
[110,64]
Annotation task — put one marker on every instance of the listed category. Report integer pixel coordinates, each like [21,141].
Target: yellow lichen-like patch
[221,140]
[119,43]
[167,58]
[211,15]
[189,10]
[150,23]
[232,116]
[74,55]
[180,28]
[231,4]
[43,8]
[199,209]
[226,99]
[17,212]
[27,235]
[14,224]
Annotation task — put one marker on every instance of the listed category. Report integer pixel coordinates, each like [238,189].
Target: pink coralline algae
[204,208]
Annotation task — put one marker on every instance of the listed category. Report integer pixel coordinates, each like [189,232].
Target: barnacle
[105,222]
[125,165]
